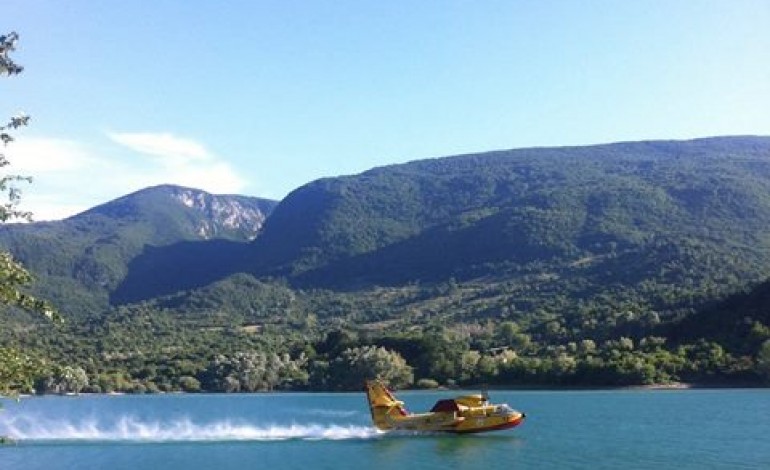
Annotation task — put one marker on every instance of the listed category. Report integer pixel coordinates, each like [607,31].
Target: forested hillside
[699,206]
[83,261]
[620,264]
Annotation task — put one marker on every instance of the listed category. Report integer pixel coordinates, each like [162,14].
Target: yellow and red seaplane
[464,414]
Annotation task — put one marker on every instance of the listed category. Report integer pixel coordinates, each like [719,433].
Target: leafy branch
[8,45]
[12,274]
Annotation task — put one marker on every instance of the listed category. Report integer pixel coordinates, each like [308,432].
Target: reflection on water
[467,448]
[437,451]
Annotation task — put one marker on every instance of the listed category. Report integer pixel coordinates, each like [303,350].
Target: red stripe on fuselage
[507,425]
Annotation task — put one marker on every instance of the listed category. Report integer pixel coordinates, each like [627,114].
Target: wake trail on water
[130,429]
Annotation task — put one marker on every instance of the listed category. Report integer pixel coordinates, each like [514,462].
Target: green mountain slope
[671,212]
[80,262]
[669,223]
[741,322]
[600,265]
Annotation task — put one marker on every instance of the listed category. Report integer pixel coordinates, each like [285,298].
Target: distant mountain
[626,263]
[175,213]
[671,213]
[667,224]
[80,262]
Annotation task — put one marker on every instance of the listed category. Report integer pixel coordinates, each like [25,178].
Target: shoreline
[470,388]
[662,386]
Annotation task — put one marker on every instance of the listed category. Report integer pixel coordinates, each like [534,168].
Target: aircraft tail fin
[384,406]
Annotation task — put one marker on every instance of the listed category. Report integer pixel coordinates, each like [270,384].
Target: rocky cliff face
[223,214]
[80,261]
[186,213]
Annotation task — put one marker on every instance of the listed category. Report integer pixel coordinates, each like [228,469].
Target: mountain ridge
[615,193]
[618,264]
[689,212]
[87,255]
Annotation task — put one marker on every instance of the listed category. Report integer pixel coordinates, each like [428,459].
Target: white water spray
[130,429]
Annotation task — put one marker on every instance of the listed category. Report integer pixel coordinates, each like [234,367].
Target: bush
[426,383]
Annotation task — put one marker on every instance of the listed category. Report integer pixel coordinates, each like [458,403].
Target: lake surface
[683,429]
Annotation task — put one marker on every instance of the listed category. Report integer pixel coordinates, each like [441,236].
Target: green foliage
[8,45]
[12,274]
[66,379]
[356,365]
[254,371]
[143,349]
[426,384]
[9,209]
[763,361]
[18,372]
[599,265]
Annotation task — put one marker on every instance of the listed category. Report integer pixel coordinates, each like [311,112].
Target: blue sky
[260,97]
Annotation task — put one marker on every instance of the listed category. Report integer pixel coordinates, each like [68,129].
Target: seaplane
[464,414]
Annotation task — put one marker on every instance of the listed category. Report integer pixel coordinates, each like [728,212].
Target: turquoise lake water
[629,429]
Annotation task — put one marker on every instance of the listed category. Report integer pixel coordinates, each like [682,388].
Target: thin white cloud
[162,145]
[181,161]
[36,155]
[70,177]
